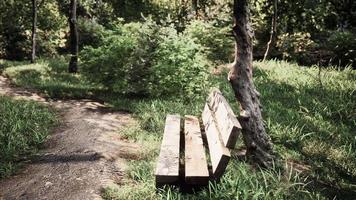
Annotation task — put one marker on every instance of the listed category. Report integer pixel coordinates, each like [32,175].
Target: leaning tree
[258,143]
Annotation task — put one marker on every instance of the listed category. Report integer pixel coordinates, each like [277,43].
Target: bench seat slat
[167,170]
[196,166]
[219,154]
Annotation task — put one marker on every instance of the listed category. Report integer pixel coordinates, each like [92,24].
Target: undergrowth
[24,125]
[50,76]
[310,117]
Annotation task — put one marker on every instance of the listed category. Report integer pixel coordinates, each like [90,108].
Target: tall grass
[310,118]
[23,127]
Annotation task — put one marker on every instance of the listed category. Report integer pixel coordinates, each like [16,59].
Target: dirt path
[81,157]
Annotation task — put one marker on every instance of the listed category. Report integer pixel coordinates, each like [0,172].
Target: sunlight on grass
[51,78]
[310,117]
[24,125]
[309,123]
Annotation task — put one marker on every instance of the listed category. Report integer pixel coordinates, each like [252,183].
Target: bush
[51,30]
[218,46]
[121,63]
[48,42]
[147,59]
[343,45]
[179,67]
[90,32]
[297,46]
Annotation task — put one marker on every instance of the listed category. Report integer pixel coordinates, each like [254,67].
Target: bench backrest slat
[219,154]
[167,170]
[227,123]
[196,167]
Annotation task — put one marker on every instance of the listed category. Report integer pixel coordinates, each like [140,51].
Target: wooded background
[307,31]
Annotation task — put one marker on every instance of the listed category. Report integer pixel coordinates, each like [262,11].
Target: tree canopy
[308,31]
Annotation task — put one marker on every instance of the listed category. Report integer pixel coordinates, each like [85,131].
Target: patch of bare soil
[81,157]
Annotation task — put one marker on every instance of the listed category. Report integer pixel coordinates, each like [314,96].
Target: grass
[24,126]
[312,126]
[51,78]
[311,119]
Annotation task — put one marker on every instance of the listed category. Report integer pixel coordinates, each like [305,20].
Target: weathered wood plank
[196,166]
[219,154]
[226,120]
[167,170]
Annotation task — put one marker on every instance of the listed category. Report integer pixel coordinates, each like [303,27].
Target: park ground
[104,145]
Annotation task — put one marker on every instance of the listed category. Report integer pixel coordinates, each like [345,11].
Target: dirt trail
[81,157]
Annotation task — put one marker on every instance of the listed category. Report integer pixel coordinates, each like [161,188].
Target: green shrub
[147,59]
[179,67]
[90,32]
[52,30]
[122,62]
[343,45]
[297,46]
[218,46]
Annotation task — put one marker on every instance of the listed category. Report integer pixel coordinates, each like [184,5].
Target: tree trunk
[259,146]
[34,27]
[73,64]
[195,8]
[272,38]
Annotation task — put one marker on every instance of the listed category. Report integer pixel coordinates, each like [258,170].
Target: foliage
[179,68]
[318,123]
[122,62]
[312,132]
[311,125]
[309,115]
[51,78]
[90,33]
[309,112]
[207,20]
[240,180]
[343,45]
[296,46]
[51,29]
[16,24]
[143,58]
[215,40]
[14,15]
[23,127]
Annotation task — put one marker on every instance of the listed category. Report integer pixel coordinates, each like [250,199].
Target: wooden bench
[221,132]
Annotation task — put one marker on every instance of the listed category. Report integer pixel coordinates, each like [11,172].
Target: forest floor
[83,154]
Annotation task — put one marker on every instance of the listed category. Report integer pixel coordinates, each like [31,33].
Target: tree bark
[34,29]
[272,38]
[259,146]
[195,8]
[73,64]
